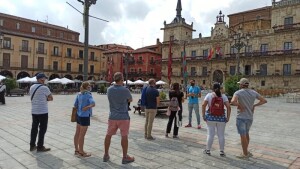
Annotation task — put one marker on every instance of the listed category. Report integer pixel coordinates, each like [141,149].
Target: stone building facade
[28,47]
[269,59]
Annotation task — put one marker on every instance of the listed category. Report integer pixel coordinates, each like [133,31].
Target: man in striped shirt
[40,95]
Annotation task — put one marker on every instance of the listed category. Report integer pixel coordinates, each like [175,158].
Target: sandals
[84,154]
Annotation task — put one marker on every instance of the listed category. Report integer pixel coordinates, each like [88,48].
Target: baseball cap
[41,75]
[243,81]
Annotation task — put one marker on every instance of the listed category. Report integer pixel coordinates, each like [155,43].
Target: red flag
[110,71]
[121,65]
[170,62]
[218,51]
[211,53]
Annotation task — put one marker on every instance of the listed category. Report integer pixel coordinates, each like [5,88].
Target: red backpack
[217,106]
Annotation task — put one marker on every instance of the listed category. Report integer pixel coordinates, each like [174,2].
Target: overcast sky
[135,23]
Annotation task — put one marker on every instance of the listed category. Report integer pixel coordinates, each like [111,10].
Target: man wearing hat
[40,95]
[244,100]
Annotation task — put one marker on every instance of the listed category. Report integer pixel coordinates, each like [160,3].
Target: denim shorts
[243,126]
[83,121]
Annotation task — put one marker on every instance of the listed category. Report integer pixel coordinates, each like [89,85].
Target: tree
[10,84]
[231,85]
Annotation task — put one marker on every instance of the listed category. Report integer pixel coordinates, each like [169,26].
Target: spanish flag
[211,53]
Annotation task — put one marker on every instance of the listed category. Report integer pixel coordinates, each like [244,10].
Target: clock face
[219,32]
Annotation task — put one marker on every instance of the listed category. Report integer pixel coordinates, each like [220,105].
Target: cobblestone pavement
[275,139]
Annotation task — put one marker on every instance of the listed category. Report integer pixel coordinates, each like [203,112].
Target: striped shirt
[39,103]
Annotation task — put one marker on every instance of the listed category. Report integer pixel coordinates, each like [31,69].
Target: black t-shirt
[179,96]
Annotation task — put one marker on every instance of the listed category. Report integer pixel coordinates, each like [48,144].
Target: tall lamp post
[87,4]
[125,56]
[1,39]
[239,40]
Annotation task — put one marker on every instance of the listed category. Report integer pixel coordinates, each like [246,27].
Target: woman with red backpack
[214,115]
[175,94]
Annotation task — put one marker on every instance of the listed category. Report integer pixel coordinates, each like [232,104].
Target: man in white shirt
[40,95]
[2,92]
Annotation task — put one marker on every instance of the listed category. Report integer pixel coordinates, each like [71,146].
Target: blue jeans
[194,106]
[243,126]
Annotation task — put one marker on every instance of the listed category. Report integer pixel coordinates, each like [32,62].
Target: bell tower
[178,29]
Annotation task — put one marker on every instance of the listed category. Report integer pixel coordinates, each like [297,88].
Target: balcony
[69,55]
[152,62]
[286,28]
[58,54]
[41,51]
[93,59]
[140,62]
[7,47]
[24,49]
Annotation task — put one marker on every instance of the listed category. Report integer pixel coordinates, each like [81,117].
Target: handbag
[168,112]
[74,115]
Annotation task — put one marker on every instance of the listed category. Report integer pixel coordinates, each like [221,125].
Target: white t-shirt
[210,96]
[39,103]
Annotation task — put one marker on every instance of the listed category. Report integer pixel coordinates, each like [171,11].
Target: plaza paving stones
[275,139]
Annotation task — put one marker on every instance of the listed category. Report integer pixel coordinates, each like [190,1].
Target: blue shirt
[151,95]
[84,99]
[195,90]
[118,97]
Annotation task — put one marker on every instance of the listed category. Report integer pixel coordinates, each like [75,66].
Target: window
[55,51]
[193,71]
[69,66]
[288,21]
[263,83]
[33,29]
[286,69]
[151,71]
[140,70]
[73,37]
[172,38]
[55,66]
[248,50]
[286,83]
[263,69]
[232,70]
[205,53]
[92,69]
[1,22]
[203,82]
[6,43]
[18,25]
[264,49]
[92,55]
[193,54]
[247,70]
[61,35]
[69,52]
[80,54]
[24,61]
[41,47]
[80,68]
[233,50]
[24,46]
[49,32]
[140,58]
[204,71]
[287,47]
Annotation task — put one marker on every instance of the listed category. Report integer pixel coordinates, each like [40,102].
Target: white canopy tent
[139,82]
[2,77]
[160,82]
[128,82]
[66,81]
[24,80]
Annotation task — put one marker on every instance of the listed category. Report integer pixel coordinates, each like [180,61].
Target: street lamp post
[1,39]
[126,55]
[239,41]
[87,4]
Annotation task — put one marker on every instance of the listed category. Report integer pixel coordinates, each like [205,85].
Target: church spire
[179,8]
